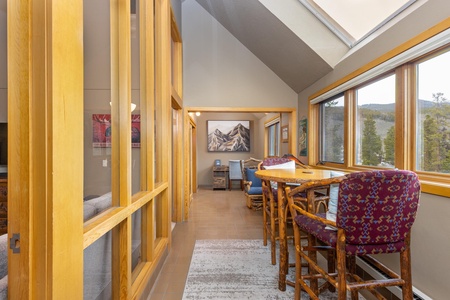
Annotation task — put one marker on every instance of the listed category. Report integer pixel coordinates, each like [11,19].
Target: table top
[293,176]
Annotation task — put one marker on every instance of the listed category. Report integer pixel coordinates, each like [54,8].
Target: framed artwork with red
[101,131]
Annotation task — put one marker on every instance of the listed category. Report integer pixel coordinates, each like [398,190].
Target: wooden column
[45,134]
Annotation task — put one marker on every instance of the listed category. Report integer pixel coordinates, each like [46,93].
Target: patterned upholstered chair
[375,213]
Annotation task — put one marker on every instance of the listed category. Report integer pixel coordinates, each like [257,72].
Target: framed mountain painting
[228,136]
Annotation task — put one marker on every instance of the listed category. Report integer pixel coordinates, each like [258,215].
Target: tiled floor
[213,215]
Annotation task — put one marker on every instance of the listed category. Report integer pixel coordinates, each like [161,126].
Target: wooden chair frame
[345,278]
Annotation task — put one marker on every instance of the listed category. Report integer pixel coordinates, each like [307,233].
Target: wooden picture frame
[228,136]
[285,134]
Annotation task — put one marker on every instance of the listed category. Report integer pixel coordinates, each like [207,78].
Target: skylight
[354,20]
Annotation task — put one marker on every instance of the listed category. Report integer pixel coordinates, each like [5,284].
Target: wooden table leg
[282,237]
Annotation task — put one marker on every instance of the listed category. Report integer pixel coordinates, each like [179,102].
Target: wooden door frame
[188,166]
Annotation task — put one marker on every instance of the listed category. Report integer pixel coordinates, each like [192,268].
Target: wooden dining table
[284,177]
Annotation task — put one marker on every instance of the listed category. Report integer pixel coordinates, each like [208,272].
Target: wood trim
[121,144]
[43,96]
[164,137]
[177,174]
[175,32]
[438,28]
[19,120]
[186,162]
[293,136]
[177,102]
[242,109]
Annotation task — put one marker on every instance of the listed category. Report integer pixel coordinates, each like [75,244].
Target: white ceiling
[298,62]
[286,36]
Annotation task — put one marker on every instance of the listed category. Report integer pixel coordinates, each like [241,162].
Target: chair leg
[312,254]
[405,266]
[331,264]
[351,266]
[341,265]
[273,228]
[264,208]
[298,263]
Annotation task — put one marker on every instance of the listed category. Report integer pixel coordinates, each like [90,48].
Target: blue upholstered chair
[252,184]
[253,189]
[235,173]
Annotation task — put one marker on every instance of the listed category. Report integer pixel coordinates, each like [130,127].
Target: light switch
[105,162]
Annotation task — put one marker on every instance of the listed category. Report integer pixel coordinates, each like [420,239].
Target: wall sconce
[133,106]
[198,114]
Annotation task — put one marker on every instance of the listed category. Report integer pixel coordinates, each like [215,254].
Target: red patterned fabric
[376,209]
[272,161]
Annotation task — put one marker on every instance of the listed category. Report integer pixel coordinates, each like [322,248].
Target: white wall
[430,238]
[205,159]
[218,71]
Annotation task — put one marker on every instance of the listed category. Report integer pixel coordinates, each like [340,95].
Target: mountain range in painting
[237,139]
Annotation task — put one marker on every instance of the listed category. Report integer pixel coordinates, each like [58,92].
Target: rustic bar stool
[375,214]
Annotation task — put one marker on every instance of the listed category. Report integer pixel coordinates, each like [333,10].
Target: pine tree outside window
[375,123]
[332,130]
[433,114]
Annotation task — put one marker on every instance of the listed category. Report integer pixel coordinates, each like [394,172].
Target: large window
[273,137]
[332,130]
[375,123]
[393,116]
[433,114]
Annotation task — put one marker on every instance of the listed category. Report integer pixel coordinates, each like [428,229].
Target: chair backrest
[250,176]
[272,162]
[234,169]
[298,163]
[378,207]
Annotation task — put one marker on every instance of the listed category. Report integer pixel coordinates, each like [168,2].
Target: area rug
[235,269]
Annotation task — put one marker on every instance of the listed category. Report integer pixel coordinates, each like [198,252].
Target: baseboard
[395,290]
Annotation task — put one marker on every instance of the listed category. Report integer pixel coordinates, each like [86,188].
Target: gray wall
[97,94]
[218,71]
[430,239]
[205,159]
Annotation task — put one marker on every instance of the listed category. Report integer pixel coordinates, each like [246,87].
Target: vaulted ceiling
[284,35]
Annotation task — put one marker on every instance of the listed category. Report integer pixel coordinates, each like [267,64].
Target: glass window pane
[135,99]
[97,108]
[332,130]
[136,239]
[97,269]
[433,115]
[375,123]
[273,139]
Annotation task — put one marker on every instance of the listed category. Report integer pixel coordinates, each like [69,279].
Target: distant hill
[238,139]
[423,104]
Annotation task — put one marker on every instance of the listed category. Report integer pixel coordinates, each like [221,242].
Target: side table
[220,177]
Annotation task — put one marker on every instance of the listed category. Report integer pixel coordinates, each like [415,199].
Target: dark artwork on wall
[101,131]
[303,137]
[228,136]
